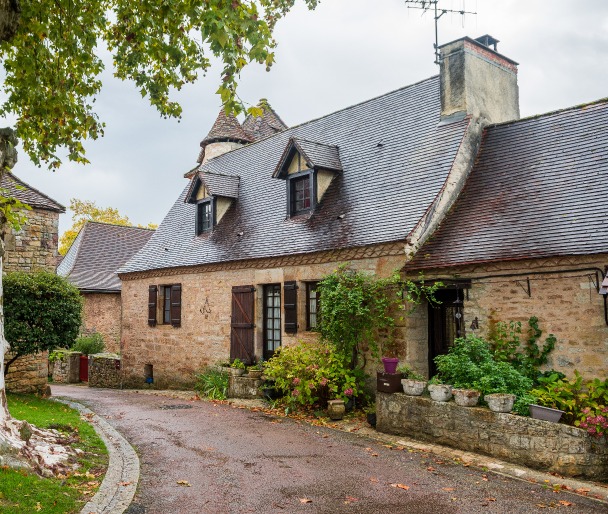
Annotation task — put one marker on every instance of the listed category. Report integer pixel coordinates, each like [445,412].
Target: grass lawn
[22,492]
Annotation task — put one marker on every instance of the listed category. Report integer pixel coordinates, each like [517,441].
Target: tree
[43,312]
[50,54]
[86,210]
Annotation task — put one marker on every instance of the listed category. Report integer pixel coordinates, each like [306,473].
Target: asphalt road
[199,457]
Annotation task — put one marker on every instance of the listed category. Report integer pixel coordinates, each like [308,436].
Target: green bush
[89,344]
[42,311]
[212,383]
[309,370]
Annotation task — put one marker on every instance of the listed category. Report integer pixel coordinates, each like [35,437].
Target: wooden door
[242,325]
[445,324]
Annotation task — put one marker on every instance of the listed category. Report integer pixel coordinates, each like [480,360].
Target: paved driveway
[232,460]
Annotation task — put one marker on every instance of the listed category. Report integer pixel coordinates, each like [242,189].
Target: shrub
[89,344]
[42,312]
[212,383]
[307,371]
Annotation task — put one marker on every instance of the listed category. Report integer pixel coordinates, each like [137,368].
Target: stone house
[232,269]
[33,248]
[91,263]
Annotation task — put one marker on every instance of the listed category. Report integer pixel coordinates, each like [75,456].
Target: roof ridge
[76,252]
[552,113]
[23,183]
[313,142]
[117,225]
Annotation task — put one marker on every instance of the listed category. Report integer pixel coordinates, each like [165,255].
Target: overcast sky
[344,52]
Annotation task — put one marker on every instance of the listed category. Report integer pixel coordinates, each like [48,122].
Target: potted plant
[500,402]
[413,383]
[336,409]
[370,413]
[466,397]
[237,368]
[256,370]
[439,392]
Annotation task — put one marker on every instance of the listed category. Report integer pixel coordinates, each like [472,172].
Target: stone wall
[66,370]
[204,336]
[563,296]
[104,370]
[34,247]
[244,387]
[101,313]
[28,374]
[537,444]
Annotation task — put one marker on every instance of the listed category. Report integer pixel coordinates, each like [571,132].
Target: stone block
[244,387]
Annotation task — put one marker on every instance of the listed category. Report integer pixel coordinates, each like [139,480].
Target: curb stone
[120,482]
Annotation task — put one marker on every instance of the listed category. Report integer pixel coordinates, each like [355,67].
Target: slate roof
[97,252]
[395,157]
[217,184]
[316,155]
[29,194]
[535,191]
[260,127]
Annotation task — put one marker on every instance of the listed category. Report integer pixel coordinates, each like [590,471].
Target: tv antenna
[425,6]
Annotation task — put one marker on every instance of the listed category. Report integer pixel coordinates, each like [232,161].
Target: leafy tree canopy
[86,210]
[42,312]
[52,63]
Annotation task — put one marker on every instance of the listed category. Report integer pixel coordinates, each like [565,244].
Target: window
[165,303]
[204,216]
[312,305]
[272,319]
[300,192]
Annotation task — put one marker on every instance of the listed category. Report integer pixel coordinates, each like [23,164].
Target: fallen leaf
[350,499]
[373,479]
[305,500]
[490,499]
[128,483]
[38,507]
[582,490]
[448,488]
[185,483]
[430,468]
[401,486]
[541,505]
[374,454]
[565,503]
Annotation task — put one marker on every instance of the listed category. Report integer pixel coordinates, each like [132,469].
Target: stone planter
[336,409]
[500,402]
[413,387]
[237,372]
[254,373]
[440,392]
[545,413]
[466,397]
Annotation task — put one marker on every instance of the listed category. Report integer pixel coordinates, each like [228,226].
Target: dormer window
[213,194]
[308,169]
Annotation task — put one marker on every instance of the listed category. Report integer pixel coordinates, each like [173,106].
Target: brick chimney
[476,80]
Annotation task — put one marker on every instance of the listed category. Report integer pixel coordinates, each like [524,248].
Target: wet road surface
[199,457]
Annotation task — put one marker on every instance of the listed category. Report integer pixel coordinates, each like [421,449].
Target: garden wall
[66,370]
[537,444]
[104,370]
[28,374]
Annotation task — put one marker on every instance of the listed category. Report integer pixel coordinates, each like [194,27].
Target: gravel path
[199,457]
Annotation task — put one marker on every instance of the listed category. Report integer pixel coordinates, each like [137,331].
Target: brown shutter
[290,293]
[176,305]
[152,299]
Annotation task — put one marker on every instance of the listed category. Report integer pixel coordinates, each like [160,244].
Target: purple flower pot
[390,364]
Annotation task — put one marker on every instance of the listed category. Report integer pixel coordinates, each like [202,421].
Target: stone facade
[204,336]
[33,248]
[101,313]
[538,444]
[563,295]
[104,370]
[66,370]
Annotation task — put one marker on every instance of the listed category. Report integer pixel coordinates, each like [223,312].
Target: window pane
[300,194]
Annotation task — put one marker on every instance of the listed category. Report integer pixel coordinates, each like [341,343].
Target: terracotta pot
[466,397]
[440,392]
[390,364]
[500,402]
[336,409]
[545,413]
[413,387]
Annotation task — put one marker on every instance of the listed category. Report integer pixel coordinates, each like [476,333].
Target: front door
[446,323]
[242,325]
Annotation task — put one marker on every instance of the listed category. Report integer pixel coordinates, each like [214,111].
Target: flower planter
[390,364]
[466,397]
[254,373]
[336,409]
[413,387]
[440,392]
[500,402]
[371,419]
[237,372]
[545,413]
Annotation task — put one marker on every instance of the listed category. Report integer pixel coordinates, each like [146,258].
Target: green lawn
[22,492]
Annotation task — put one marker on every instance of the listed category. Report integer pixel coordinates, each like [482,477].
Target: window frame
[199,224]
[168,296]
[268,353]
[291,180]
[309,286]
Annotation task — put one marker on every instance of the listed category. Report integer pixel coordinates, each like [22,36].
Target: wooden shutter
[152,299]
[290,294]
[176,305]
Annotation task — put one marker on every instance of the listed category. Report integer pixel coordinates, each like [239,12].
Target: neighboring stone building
[33,248]
[232,269]
[91,263]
